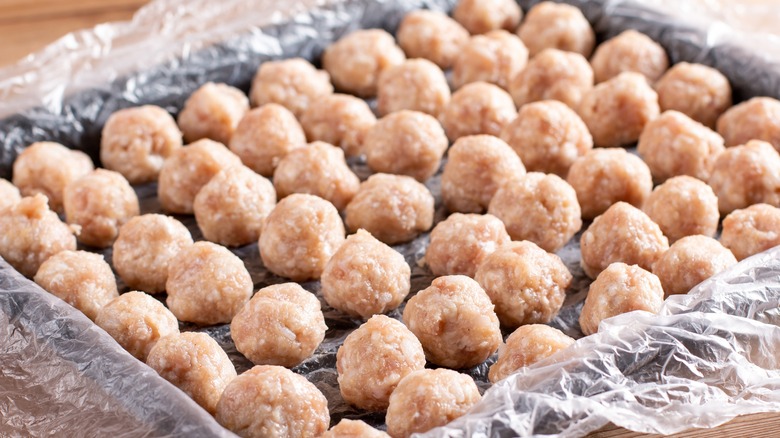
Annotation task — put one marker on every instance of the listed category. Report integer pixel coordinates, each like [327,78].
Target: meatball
[553,74]
[373,359]
[136,141]
[299,237]
[144,249]
[700,92]
[354,429]
[550,25]
[431,35]
[207,284]
[212,111]
[751,230]
[746,175]
[683,206]
[82,279]
[273,402]
[281,325]
[356,61]
[526,346]
[416,84]
[481,16]
[340,120]
[9,194]
[477,108]
[617,110]
[755,119]
[630,51]
[477,166]
[393,208]
[99,203]
[622,234]
[292,83]
[495,57]
[690,261]
[137,321]
[230,209]
[461,242]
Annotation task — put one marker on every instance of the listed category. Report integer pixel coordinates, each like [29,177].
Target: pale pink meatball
[273,402]
[232,207]
[553,74]
[618,289]
[136,141]
[690,261]
[281,325]
[751,230]
[82,279]
[299,237]
[207,284]
[353,429]
[460,243]
[617,110]
[700,92]
[99,203]
[630,51]
[429,398]
[356,61]
[526,346]
[495,57]
[319,169]
[557,26]
[393,208]
[373,359]
[340,120]
[477,108]
[415,84]
[683,206]
[481,16]
[622,234]
[212,111]
[9,194]
[137,321]
[746,175]
[291,83]
[755,119]
[431,35]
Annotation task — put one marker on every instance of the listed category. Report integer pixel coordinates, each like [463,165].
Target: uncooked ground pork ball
[273,402]
[292,83]
[630,51]
[746,175]
[353,429]
[373,359]
[481,16]
[553,74]
[526,346]
[698,91]
[9,194]
[299,237]
[755,119]
[461,242]
[431,35]
[212,111]
[622,234]
[416,84]
[281,325]
[136,141]
[751,230]
[340,120]
[557,26]
[365,277]
[690,261]
[477,108]
[495,57]
[620,288]
[683,206]
[82,279]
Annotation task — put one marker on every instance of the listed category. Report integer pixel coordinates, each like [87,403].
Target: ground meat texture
[82,279]
[212,111]
[460,243]
[416,84]
[622,234]
[754,119]
[231,208]
[526,346]
[746,175]
[630,51]
[99,203]
[353,429]
[144,249]
[550,25]
[137,321]
[292,83]
[373,359]
[431,35]
[751,230]
[495,57]
[683,206]
[281,325]
[136,141]
[698,91]
[690,261]
[477,108]
[482,16]
[299,237]
[553,74]
[9,194]
[46,168]
[393,208]
[207,284]
[196,364]
[340,120]
[617,110]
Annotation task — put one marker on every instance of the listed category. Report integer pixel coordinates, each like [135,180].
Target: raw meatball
[373,359]
[553,74]
[477,108]
[755,119]
[292,83]
[196,364]
[461,242]
[273,402]
[340,120]
[550,25]
[281,325]
[406,143]
[429,398]
[136,141]
[526,346]
[746,175]
[617,110]
[481,16]
[46,168]
[99,203]
[495,57]
[683,206]
[212,111]
[82,279]
[690,261]
[393,208]
[548,136]
[144,249]
[31,234]
[353,429]
[673,144]
[319,169]
[603,177]
[431,35]
[477,166]
[299,237]
[356,60]
[700,92]
[620,288]
[207,284]
[365,277]
[9,194]
[622,234]
[137,321]
[266,135]
[231,208]
[752,230]
[186,171]
[630,51]
[416,84]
